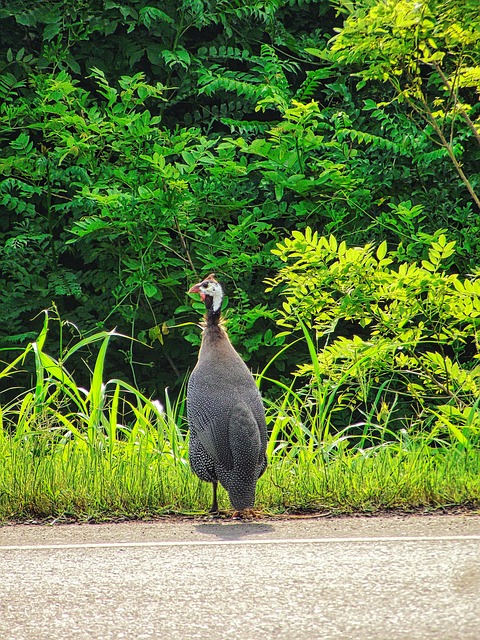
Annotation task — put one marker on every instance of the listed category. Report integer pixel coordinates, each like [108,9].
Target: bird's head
[210,292]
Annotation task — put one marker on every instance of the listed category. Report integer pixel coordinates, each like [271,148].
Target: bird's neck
[212,318]
[213,331]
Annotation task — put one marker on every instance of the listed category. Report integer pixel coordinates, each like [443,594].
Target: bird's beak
[196,289]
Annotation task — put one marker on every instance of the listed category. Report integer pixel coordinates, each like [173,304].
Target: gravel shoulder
[210,529]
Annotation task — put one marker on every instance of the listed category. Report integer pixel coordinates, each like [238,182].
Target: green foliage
[430,53]
[142,147]
[400,340]
[397,38]
[109,206]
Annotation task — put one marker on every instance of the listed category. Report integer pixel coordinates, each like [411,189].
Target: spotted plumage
[228,434]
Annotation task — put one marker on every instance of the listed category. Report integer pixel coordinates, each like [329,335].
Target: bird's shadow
[234,530]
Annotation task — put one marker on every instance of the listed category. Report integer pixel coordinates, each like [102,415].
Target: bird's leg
[214,508]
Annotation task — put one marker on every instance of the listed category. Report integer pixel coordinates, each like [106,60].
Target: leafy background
[146,144]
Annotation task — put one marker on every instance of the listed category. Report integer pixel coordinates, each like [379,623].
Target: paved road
[412,578]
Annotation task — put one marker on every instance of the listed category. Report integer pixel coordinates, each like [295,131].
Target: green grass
[40,480]
[109,452]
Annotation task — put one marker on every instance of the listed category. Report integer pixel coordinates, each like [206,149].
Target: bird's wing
[204,427]
[210,426]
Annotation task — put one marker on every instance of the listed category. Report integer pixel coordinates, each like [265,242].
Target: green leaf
[369,105]
[26,18]
[51,30]
[382,250]
[150,289]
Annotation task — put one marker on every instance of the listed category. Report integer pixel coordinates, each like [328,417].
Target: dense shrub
[142,148]
[397,342]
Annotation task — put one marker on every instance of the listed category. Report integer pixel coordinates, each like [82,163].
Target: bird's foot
[218,513]
[245,514]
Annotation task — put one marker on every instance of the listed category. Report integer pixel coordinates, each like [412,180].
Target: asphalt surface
[415,578]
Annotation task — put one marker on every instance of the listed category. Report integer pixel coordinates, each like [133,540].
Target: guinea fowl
[228,433]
